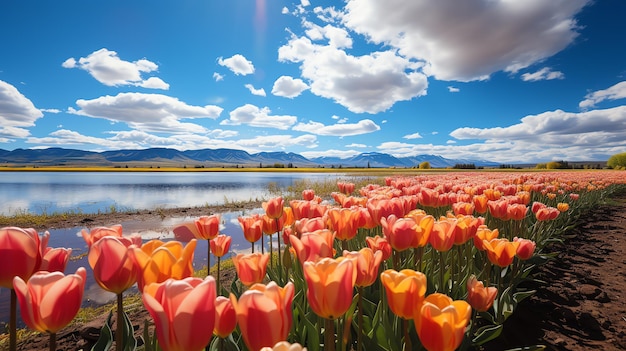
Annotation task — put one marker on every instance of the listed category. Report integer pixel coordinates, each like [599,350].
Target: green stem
[359,338]
[441,267]
[208,257]
[329,335]
[252,247]
[407,339]
[280,262]
[219,287]
[13,322]
[53,341]
[262,244]
[221,344]
[119,332]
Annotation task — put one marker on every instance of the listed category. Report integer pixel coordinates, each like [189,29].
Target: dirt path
[581,306]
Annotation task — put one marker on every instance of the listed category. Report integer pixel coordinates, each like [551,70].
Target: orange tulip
[526,248]
[225,317]
[307,209]
[346,187]
[547,214]
[274,207]
[220,245]
[405,291]
[466,227]
[367,263]
[306,225]
[157,261]
[463,208]
[440,322]
[308,194]
[54,259]
[50,300]
[383,208]
[264,314]
[498,209]
[98,233]
[344,222]
[313,245]
[484,233]
[501,252]
[562,206]
[251,268]
[442,236]
[480,203]
[183,311]
[516,212]
[112,265]
[208,227]
[20,254]
[480,297]
[330,284]
[378,243]
[252,227]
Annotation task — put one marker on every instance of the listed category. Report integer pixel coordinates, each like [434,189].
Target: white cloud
[305,3]
[273,142]
[328,14]
[451,142]
[356,145]
[340,129]
[545,73]
[468,40]
[413,136]
[254,91]
[238,64]
[285,10]
[258,117]
[453,89]
[370,83]
[222,134]
[50,110]
[147,112]
[288,87]
[107,68]
[617,91]
[218,77]
[16,112]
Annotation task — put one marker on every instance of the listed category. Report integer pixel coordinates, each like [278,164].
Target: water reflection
[84,192]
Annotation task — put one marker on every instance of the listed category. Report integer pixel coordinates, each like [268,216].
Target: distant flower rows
[430,261]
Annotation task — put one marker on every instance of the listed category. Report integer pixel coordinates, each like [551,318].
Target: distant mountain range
[215,158]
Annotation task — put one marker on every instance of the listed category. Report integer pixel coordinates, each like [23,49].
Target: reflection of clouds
[100,192]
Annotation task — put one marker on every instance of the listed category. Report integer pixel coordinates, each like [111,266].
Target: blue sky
[499,80]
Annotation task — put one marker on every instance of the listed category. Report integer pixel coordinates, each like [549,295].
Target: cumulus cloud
[617,91]
[330,153]
[545,73]
[288,87]
[107,68]
[340,129]
[258,117]
[254,91]
[468,40]
[412,136]
[16,112]
[273,142]
[238,64]
[453,89]
[356,145]
[147,112]
[369,83]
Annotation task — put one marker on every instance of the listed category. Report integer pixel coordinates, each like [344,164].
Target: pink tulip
[183,312]
[20,254]
[113,267]
[50,300]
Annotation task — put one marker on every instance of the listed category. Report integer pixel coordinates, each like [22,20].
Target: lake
[87,192]
[93,192]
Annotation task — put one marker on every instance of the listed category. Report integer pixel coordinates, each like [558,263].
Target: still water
[86,192]
[49,192]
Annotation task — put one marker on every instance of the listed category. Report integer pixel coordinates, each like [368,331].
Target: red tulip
[98,233]
[264,314]
[402,233]
[113,267]
[50,300]
[220,245]
[183,311]
[480,297]
[274,207]
[526,248]
[442,235]
[308,194]
[252,227]
[20,254]
[225,317]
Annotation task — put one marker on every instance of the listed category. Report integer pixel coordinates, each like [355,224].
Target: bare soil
[580,305]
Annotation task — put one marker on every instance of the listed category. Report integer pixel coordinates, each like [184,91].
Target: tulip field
[435,261]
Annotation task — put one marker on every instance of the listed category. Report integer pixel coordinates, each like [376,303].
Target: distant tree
[424,165]
[557,165]
[617,161]
[541,166]
[368,164]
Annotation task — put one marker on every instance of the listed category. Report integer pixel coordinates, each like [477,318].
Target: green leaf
[487,333]
[130,343]
[106,336]
[521,295]
[529,348]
